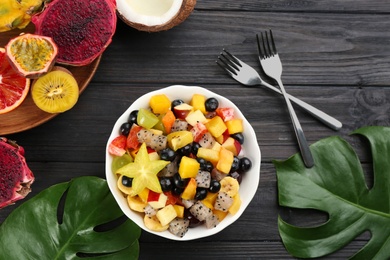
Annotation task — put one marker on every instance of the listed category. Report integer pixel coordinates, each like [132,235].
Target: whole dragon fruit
[15,176]
[81,29]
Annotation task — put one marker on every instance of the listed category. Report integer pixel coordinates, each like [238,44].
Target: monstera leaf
[77,219]
[336,185]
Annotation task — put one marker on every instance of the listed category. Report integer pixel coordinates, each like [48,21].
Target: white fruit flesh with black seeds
[179,226]
[203,179]
[223,202]
[200,211]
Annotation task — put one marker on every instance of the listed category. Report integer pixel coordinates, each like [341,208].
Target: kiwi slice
[56,91]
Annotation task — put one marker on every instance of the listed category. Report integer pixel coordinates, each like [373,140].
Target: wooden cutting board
[28,115]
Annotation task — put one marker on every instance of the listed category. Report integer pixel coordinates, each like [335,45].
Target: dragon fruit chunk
[223,201]
[207,140]
[179,125]
[200,211]
[179,227]
[15,176]
[203,179]
[212,221]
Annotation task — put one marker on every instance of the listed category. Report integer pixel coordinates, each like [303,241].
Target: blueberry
[167,154]
[215,186]
[195,148]
[202,163]
[125,129]
[166,184]
[239,137]
[126,181]
[209,167]
[201,193]
[176,102]
[245,164]
[179,182]
[133,117]
[185,150]
[235,165]
[211,104]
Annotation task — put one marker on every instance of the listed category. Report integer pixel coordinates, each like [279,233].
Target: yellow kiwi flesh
[55,92]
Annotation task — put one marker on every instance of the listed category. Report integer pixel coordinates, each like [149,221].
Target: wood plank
[87,126]
[187,54]
[334,6]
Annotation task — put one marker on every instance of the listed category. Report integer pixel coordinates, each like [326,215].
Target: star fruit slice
[143,171]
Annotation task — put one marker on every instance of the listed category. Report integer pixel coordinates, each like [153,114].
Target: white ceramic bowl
[250,180]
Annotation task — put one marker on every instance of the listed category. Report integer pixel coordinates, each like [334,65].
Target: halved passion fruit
[31,55]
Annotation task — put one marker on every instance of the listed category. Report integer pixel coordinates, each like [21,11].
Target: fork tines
[228,62]
[266,50]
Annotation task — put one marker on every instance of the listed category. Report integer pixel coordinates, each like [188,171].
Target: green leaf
[88,224]
[336,185]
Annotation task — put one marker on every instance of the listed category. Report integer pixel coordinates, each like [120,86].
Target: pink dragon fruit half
[15,176]
[81,29]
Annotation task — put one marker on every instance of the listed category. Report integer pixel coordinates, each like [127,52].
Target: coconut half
[154,15]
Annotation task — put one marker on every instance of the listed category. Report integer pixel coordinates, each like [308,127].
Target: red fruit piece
[198,131]
[81,29]
[226,113]
[15,176]
[118,145]
[172,200]
[132,139]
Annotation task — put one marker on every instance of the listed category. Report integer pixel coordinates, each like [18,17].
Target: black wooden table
[335,54]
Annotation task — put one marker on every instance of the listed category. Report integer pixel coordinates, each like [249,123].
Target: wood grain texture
[335,54]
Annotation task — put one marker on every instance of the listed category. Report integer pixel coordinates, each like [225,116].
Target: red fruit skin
[81,29]
[15,176]
[198,131]
[153,196]
[238,146]
[181,114]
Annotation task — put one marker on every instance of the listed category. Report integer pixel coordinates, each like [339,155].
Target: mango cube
[208,154]
[166,215]
[190,190]
[220,214]
[160,104]
[188,168]
[216,126]
[235,126]
[197,102]
[225,162]
[179,139]
[179,210]
[236,204]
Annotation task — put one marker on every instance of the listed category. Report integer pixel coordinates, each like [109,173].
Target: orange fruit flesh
[13,87]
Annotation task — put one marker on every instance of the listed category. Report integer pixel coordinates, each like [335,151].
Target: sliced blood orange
[13,87]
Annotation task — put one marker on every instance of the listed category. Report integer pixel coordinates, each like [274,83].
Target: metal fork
[272,66]
[246,75]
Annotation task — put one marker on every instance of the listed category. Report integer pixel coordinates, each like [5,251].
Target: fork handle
[320,115]
[302,142]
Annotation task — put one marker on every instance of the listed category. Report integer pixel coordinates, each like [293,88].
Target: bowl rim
[185,92]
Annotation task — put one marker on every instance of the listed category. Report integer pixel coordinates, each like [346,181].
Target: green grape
[146,118]
[120,161]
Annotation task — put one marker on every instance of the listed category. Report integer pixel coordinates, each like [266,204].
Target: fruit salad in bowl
[183,162]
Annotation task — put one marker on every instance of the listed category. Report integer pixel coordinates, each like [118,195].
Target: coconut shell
[185,10]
